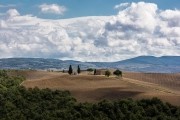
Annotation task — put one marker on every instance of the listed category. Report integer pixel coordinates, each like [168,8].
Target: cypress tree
[70,70]
[95,72]
[78,70]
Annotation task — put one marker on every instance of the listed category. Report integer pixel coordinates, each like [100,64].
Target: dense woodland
[20,103]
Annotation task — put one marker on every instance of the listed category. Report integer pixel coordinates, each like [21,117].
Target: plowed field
[92,88]
[170,80]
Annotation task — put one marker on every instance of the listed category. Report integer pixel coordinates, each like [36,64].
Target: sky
[89,30]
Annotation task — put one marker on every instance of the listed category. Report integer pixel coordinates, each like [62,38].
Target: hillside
[165,64]
[92,88]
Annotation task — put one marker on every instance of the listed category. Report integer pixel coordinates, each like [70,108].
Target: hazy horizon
[83,61]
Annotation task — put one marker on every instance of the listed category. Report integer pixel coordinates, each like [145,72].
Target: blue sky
[79,8]
[89,30]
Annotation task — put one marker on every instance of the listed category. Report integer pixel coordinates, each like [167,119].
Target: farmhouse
[74,72]
[100,72]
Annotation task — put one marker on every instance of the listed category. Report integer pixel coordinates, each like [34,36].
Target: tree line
[107,72]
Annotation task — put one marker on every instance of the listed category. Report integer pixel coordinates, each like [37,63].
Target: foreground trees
[20,103]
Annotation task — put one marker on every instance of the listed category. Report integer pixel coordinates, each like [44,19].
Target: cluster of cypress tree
[70,71]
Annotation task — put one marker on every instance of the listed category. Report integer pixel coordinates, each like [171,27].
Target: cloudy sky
[89,30]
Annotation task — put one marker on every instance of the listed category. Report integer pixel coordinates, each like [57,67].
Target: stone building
[100,72]
[74,72]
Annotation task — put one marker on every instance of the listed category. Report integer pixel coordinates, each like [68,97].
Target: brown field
[169,80]
[92,88]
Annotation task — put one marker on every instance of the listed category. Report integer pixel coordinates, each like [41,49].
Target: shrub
[118,73]
[107,73]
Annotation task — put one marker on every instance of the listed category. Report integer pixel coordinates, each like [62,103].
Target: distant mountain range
[165,64]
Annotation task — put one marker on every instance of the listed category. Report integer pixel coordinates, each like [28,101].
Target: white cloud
[171,18]
[3,24]
[52,8]
[121,5]
[136,17]
[12,13]
[9,5]
[140,29]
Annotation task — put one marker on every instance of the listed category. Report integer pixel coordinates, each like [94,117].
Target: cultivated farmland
[92,88]
[169,80]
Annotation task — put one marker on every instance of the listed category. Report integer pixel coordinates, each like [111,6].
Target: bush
[118,73]
[107,73]
[90,69]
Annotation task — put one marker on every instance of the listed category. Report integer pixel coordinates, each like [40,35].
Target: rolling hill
[164,64]
[94,88]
